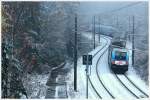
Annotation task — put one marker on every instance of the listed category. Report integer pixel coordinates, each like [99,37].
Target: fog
[107,9]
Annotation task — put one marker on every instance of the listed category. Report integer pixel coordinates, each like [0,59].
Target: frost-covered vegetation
[124,23]
[36,37]
[118,22]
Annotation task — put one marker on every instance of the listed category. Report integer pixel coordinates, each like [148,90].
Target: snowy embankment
[81,78]
[36,85]
[107,78]
[132,73]
[114,86]
[57,87]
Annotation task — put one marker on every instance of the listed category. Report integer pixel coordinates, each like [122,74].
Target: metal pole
[129,27]
[75,56]
[117,23]
[94,32]
[87,76]
[99,29]
[133,43]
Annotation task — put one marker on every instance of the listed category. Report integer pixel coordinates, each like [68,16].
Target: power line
[114,10]
[118,9]
[129,5]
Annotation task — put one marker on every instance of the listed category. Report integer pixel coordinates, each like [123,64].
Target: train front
[119,60]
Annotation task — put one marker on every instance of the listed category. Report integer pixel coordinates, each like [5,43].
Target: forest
[34,40]
[39,36]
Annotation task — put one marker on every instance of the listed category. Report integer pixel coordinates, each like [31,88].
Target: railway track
[95,89]
[136,86]
[124,85]
[97,74]
[119,80]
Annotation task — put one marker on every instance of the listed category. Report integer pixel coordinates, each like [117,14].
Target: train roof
[119,49]
[117,43]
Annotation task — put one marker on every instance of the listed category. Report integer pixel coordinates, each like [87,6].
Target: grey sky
[100,7]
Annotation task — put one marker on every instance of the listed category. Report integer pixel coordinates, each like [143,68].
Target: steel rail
[136,85]
[89,77]
[99,76]
[124,84]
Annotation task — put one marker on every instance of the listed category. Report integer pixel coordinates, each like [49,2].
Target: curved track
[89,77]
[136,86]
[99,77]
[124,85]
[119,80]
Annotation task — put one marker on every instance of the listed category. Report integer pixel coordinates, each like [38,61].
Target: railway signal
[87,60]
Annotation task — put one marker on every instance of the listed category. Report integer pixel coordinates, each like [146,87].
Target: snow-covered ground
[132,73]
[35,85]
[109,80]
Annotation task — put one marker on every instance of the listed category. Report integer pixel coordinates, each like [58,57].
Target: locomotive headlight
[126,62]
[113,62]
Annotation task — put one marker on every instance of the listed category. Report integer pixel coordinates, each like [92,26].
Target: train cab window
[120,55]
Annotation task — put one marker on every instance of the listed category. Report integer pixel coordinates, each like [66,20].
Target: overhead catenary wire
[114,10]
[121,8]
[126,6]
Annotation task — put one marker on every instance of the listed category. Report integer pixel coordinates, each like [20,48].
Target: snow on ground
[61,90]
[112,84]
[81,76]
[132,73]
[109,80]
[100,89]
[118,90]
[36,85]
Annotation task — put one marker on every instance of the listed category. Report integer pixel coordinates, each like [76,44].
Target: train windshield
[120,55]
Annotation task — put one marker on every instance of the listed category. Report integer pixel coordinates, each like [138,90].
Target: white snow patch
[109,80]
[36,85]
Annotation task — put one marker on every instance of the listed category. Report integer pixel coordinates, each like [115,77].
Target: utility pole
[133,41]
[117,23]
[87,76]
[75,55]
[99,28]
[129,28]
[94,32]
